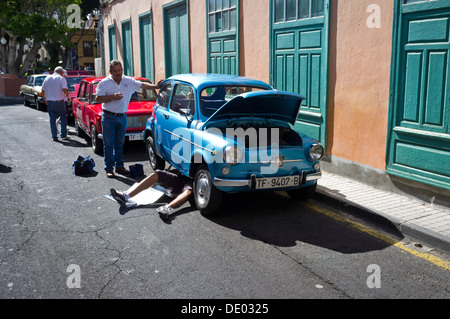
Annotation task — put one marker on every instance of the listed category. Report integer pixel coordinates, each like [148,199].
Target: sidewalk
[424,222]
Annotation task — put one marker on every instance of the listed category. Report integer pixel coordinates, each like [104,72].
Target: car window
[143,95]
[94,93]
[212,98]
[81,89]
[39,80]
[183,101]
[164,96]
[86,91]
[71,83]
[29,81]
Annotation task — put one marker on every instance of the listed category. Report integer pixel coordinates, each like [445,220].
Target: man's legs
[121,129]
[53,114]
[63,118]
[109,133]
[181,199]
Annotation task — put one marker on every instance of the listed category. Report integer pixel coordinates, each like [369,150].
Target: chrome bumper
[219,182]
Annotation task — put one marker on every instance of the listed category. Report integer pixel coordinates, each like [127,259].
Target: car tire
[96,142]
[302,194]
[208,198]
[156,162]
[26,102]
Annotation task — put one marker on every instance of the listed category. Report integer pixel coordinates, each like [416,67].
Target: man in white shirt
[115,92]
[54,90]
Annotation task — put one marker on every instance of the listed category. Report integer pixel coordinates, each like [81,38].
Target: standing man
[55,90]
[115,92]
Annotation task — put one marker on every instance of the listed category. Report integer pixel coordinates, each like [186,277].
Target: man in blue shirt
[115,92]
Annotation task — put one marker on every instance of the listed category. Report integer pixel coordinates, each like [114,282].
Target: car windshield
[141,95]
[39,80]
[72,81]
[212,98]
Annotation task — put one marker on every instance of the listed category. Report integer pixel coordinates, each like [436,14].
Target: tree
[42,21]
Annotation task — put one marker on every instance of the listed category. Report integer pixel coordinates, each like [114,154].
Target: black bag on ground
[83,166]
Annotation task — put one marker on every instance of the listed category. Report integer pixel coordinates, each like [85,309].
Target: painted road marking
[379,235]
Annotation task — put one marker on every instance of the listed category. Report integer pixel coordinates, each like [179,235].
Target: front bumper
[251,183]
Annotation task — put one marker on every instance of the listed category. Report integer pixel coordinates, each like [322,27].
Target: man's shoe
[110,174]
[67,138]
[55,139]
[164,211]
[118,196]
[122,199]
[122,171]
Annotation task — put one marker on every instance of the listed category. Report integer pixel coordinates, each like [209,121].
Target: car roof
[201,80]
[99,78]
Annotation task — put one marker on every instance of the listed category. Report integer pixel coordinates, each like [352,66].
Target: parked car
[31,91]
[72,84]
[231,134]
[88,113]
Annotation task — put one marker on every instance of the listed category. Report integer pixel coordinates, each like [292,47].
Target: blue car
[231,134]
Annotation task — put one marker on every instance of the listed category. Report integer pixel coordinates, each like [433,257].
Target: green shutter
[418,145]
[299,60]
[223,37]
[127,48]
[176,38]
[112,42]
[146,43]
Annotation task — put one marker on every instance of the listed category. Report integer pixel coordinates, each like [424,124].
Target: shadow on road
[280,221]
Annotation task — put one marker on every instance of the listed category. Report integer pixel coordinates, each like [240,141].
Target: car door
[161,119]
[178,127]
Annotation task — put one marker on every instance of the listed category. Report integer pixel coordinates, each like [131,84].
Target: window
[222,15]
[88,49]
[164,96]
[183,101]
[142,95]
[291,10]
[213,98]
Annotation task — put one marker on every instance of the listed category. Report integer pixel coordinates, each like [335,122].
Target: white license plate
[277,182]
[136,137]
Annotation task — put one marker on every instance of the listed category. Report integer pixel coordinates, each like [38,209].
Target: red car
[72,84]
[88,114]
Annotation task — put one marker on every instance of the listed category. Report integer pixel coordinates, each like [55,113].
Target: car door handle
[166,116]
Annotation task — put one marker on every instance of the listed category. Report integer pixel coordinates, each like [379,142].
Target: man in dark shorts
[173,181]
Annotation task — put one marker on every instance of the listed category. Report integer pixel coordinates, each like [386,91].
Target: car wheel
[207,197]
[156,162]
[302,193]
[26,102]
[97,143]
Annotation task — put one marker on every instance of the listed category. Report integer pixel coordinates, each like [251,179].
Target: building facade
[375,73]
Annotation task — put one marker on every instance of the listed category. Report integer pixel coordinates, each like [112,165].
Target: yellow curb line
[383,237]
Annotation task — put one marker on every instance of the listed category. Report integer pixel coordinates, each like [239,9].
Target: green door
[299,58]
[223,40]
[146,43]
[176,38]
[112,42]
[127,48]
[418,145]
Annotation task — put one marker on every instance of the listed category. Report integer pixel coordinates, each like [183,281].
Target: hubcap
[151,156]
[203,189]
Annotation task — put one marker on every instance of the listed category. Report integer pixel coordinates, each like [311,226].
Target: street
[61,238]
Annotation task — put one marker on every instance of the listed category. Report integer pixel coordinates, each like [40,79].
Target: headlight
[232,155]
[316,152]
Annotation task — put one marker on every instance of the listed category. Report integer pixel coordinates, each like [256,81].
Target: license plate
[136,137]
[277,182]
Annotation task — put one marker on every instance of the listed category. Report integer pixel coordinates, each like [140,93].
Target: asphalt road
[61,238]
